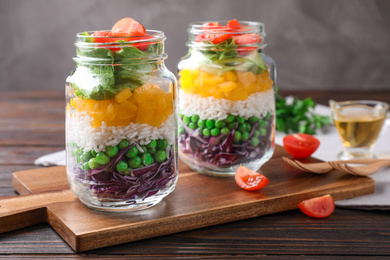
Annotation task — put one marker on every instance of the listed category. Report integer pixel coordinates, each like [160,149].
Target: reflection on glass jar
[226,98]
[120,122]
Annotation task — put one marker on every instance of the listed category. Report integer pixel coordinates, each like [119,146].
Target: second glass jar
[226,98]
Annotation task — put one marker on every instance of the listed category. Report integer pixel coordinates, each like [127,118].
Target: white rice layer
[80,132]
[258,104]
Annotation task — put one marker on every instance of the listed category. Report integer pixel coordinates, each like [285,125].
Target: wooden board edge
[18,185]
[64,231]
[19,178]
[172,225]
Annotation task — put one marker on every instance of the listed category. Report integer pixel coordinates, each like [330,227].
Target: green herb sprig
[298,116]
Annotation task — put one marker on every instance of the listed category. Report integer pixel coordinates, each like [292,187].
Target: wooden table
[32,124]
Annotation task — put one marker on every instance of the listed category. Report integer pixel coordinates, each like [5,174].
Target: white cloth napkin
[330,146]
[57,158]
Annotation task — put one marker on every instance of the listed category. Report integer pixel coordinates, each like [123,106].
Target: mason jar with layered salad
[226,98]
[120,120]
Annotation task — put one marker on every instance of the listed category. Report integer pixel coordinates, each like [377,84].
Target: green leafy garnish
[224,50]
[108,72]
[224,57]
[298,116]
[86,39]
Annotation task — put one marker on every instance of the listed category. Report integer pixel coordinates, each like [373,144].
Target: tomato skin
[243,39]
[233,24]
[142,46]
[250,180]
[128,27]
[246,39]
[218,36]
[211,25]
[101,33]
[214,38]
[106,39]
[320,207]
[124,27]
[300,145]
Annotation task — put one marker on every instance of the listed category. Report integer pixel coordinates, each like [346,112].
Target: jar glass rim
[379,105]
[150,36]
[247,26]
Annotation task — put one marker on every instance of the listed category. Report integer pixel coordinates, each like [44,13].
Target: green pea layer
[211,127]
[154,151]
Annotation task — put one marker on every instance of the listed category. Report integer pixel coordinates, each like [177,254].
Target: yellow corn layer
[147,104]
[233,85]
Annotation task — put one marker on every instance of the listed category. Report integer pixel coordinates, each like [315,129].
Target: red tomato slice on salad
[300,145]
[214,38]
[233,24]
[320,207]
[211,25]
[246,39]
[142,46]
[124,27]
[101,33]
[128,27]
[106,39]
[217,36]
[250,180]
[243,39]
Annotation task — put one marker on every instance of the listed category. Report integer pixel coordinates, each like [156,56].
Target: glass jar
[120,122]
[226,98]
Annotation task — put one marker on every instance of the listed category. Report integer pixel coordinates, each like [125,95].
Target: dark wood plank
[288,233]
[40,137]
[26,155]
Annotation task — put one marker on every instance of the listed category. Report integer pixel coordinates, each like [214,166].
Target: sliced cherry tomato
[211,25]
[142,46]
[243,39]
[128,27]
[101,33]
[300,145]
[246,39]
[233,24]
[124,27]
[214,33]
[214,38]
[320,207]
[105,39]
[250,180]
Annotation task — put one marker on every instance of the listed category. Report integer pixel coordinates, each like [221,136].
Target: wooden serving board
[198,201]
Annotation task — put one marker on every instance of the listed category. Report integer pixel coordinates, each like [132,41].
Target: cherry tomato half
[105,39]
[211,25]
[320,207]
[124,27]
[300,145]
[214,38]
[217,36]
[250,180]
[233,24]
[142,46]
[246,39]
[128,27]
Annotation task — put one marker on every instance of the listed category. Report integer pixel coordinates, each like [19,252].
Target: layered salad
[226,101]
[120,126]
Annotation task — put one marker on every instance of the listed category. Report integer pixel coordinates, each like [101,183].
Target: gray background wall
[317,44]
